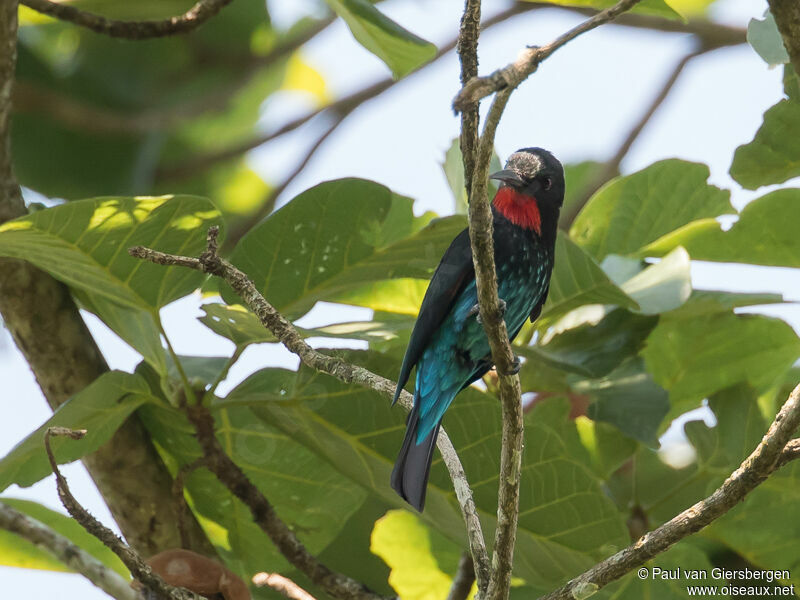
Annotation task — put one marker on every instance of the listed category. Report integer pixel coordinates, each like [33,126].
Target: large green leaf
[243,328]
[100,409]
[566,522]
[85,243]
[594,350]
[773,156]
[18,552]
[336,236]
[401,50]
[696,356]
[663,286]
[632,211]
[628,399]
[764,234]
[403,541]
[577,279]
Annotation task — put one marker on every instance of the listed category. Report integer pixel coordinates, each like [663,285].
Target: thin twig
[282,585]
[510,76]
[130,30]
[210,262]
[774,451]
[465,577]
[611,167]
[228,472]
[138,568]
[65,551]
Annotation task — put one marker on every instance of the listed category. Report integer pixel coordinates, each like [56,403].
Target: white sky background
[580,105]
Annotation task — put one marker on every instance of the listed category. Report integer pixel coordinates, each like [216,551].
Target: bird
[448,345]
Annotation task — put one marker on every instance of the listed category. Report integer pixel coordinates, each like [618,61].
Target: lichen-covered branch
[787,17]
[136,565]
[210,262]
[510,76]
[65,551]
[130,30]
[774,451]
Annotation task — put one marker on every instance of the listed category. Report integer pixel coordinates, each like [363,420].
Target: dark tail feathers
[413,464]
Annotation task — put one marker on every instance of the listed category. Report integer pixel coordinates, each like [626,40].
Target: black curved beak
[508,177]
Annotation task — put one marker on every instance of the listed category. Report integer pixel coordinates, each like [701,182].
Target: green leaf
[577,279]
[404,543]
[629,399]
[402,296]
[773,156]
[593,350]
[632,211]
[658,8]
[558,486]
[764,234]
[401,50]
[85,245]
[100,409]
[335,236]
[18,552]
[136,326]
[696,356]
[766,40]
[243,328]
[709,301]
[663,286]
[607,447]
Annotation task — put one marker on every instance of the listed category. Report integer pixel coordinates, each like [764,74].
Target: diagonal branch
[138,568]
[130,30]
[228,472]
[464,578]
[74,557]
[210,262]
[510,76]
[774,451]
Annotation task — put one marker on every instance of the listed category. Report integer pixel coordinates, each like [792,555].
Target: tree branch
[210,262]
[130,30]
[283,585]
[611,167]
[138,568]
[504,82]
[50,333]
[529,60]
[468,56]
[774,451]
[65,551]
[464,578]
[787,17]
[264,515]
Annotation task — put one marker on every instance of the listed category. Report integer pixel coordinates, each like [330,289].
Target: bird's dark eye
[547,183]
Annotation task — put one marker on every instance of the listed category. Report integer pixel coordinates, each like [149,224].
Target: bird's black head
[531,190]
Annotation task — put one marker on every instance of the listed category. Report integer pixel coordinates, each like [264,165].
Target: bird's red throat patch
[518,208]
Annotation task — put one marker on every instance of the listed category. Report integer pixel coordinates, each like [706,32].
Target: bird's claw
[476,310]
[516,365]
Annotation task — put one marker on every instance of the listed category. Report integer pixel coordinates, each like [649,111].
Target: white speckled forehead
[525,163]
